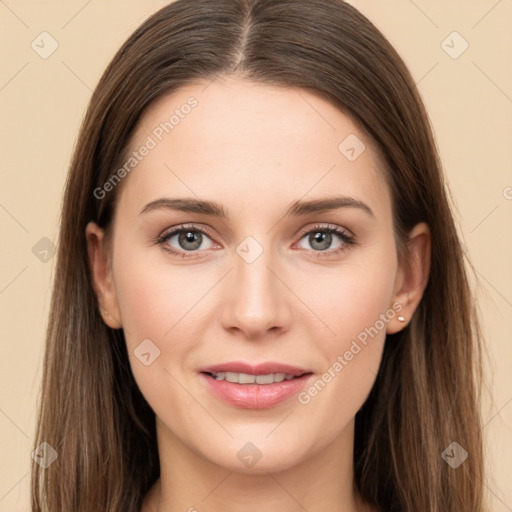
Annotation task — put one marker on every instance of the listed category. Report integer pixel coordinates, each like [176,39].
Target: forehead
[250,143]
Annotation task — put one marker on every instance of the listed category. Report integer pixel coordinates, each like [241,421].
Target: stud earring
[401,318]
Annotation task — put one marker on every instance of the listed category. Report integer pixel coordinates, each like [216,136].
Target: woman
[260,299]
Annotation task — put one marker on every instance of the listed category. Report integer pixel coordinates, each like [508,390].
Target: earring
[401,318]
[106,312]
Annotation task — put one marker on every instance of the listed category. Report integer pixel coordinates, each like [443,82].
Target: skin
[255,149]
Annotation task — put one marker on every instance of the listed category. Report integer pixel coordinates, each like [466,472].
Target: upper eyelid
[326,226]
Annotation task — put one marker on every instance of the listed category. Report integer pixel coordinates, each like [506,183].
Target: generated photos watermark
[343,360]
[157,135]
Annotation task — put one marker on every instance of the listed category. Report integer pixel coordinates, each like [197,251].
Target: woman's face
[265,282]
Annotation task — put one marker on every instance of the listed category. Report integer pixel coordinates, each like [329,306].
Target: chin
[246,457]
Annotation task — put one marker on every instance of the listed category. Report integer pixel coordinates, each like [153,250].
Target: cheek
[351,297]
[144,300]
[155,303]
[356,307]
[155,297]
[157,307]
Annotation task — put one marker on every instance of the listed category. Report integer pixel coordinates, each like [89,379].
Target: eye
[187,240]
[320,239]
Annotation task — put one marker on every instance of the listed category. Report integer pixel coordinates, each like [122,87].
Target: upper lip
[259,369]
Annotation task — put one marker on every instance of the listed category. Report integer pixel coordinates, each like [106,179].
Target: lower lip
[255,396]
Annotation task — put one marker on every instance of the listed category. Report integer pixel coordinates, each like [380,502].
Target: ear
[101,271]
[412,277]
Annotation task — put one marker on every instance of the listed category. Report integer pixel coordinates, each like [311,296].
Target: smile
[248,391]
[247,378]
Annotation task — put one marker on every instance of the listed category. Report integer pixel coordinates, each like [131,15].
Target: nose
[256,299]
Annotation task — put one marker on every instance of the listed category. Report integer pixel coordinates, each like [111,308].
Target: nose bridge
[255,300]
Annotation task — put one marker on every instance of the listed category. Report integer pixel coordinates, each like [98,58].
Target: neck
[322,482]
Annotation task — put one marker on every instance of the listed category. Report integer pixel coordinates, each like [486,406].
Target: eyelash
[347,240]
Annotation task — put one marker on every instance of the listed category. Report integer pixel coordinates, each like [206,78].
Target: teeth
[245,378]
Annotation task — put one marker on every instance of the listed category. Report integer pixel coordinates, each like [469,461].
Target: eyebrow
[298,208]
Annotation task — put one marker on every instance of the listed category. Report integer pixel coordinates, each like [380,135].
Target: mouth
[256,387]
[247,378]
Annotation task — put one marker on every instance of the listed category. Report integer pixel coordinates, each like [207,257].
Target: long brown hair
[426,393]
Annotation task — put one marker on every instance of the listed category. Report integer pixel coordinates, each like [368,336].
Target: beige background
[469,100]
